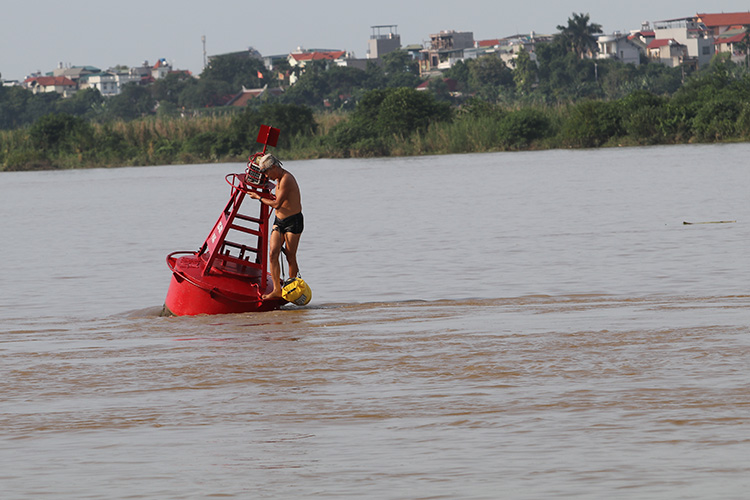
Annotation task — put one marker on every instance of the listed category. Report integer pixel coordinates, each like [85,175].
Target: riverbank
[66,142]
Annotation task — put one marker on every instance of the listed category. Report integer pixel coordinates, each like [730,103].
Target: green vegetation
[561,100]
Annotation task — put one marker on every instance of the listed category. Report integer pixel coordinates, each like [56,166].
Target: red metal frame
[229,275]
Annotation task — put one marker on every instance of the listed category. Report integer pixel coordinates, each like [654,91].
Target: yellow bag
[296,291]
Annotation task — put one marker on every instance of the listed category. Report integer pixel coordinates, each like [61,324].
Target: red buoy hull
[230,271]
[191,292]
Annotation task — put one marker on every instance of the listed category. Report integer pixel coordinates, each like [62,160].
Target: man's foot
[276,294]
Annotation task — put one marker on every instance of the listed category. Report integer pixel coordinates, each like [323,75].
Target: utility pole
[203,39]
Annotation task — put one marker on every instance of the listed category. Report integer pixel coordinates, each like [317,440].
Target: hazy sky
[38,35]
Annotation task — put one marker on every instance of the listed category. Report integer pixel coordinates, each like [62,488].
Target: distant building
[247,95]
[384,39]
[73,72]
[144,71]
[691,33]
[109,83]
[45,84]
[620,47]
[446,48]
[302,58]
[641,38]
[507,48]
[735,42]
[271,62]
[668,52]
[250,53]
[717,24]
[161,69]
[414,50]
[730,31]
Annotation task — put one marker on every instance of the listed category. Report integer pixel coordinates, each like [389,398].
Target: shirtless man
[288,226]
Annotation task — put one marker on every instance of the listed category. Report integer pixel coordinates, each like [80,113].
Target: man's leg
[292,242]
[274,251]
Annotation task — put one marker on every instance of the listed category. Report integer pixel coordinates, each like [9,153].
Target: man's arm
[280,195]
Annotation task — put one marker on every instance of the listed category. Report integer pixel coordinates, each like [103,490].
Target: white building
[108,83]
[620,47]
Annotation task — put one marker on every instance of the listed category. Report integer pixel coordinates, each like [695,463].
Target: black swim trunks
[293,224]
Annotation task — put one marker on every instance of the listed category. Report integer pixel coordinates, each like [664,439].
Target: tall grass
[220,138]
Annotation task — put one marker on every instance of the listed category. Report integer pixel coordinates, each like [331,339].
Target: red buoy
[229,273]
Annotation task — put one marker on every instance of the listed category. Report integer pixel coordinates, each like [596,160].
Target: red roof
[318,56]
[50,81]
[644,34]
[731,39]
[246,95]
[661,42]
[728,19]
[488,43]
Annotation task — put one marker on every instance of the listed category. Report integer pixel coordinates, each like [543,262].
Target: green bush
[717,119]
[203,145]
[380,115]
[405,110]
[591,124]
[293,120]
[519,129]
[641,112]
[675,122]
[56,133]
[344,136]
[743,121]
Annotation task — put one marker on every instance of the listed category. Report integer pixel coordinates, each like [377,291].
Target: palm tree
[578,35]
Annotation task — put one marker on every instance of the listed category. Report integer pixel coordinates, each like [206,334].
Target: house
[691,33]
[271,62]
[490,44]
[668,52]
[250,53]
[302,58]
[109,83]
[414,50]
[729,30]
[161,69]
[735,42]
[384,39]
[620,47]
[44,84]
[74,73]
[446,48]
[508,48]
[717,24]
[105,82]
[641,38]
[246,95]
